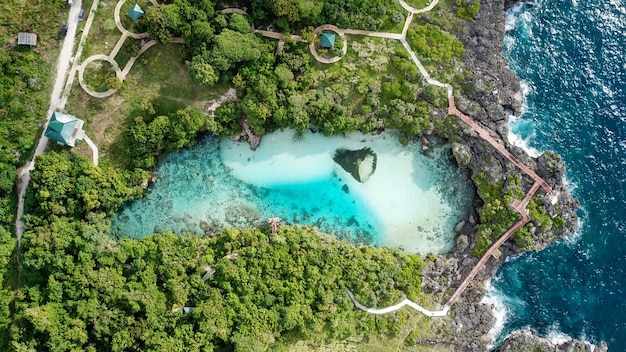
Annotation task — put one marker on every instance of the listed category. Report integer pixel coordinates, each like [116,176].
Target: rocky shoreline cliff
[495,95]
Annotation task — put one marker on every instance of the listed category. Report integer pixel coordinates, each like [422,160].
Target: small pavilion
[328,40]
[135,12]
[24,38]
[64,129]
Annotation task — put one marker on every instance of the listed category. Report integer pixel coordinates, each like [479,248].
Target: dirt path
[55,103]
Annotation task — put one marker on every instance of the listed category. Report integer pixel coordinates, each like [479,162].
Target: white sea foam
[527,88]
[569,184]
[509,42]
[557,337]
[512,258]
[574,237]
[500,311]
[520,142]
[512,17]
[554,336]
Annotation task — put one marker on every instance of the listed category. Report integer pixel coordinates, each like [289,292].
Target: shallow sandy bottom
[411,201]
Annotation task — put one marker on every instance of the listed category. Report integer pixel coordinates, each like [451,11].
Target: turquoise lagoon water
[571,57]
[411,201]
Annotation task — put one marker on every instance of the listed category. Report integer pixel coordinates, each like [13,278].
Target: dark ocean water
[571,57]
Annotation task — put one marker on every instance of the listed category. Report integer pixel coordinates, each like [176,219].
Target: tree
[131,46]
[8,175]
[114,83]
[239,23]
[284,74]
[433,43]
[202,72]
[185,124]
[233,47]
[156,23]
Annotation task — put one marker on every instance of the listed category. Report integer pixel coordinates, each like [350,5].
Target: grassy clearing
[452,71]
[44,18]
[86,6]
[418,329]
[444,15]
[159,77]
[97,73]
[366,63]
[419,4]
[122,57]
[103,34]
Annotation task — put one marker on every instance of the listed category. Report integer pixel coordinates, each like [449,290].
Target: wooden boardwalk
[519,206]
[494,250]
[452,110]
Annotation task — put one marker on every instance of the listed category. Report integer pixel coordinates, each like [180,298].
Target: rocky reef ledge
[494,94]
[526,341]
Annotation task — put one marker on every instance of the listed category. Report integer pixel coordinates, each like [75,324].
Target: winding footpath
[110,58]
[493,251]
[519,206]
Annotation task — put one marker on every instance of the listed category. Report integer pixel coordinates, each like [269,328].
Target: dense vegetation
[496,216]
[24,87]
[249,290]
[467,9]
[160,133]
[434,44]
[23,83]
[288,89]
[246,290]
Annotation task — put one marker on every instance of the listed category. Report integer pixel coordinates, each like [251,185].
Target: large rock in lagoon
[361,163]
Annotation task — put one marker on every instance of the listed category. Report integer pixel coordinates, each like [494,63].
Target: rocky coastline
[495,95]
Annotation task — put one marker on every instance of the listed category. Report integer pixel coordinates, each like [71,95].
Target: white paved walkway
[63,63]
[520,207]
[94,149]
[405,302]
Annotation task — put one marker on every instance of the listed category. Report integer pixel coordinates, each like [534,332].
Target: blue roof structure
[135,12]
[328,40]
[61,128]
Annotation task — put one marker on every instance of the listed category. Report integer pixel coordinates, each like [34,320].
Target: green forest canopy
[248,289]
[83,290]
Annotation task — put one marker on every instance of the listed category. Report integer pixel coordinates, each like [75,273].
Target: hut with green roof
[328,40]
[135,12]
[63,128]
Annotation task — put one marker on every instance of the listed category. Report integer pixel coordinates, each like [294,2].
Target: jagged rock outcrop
[526,341]
[495,94]
[361,163]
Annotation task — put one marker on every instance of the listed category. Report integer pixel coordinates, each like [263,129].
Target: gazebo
[135,12]
[64,129]
[24,38]
[328,40]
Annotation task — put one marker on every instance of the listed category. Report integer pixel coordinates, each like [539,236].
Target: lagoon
[405,198]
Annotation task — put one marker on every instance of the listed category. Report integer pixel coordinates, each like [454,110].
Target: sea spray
[573,60]
[500,312]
